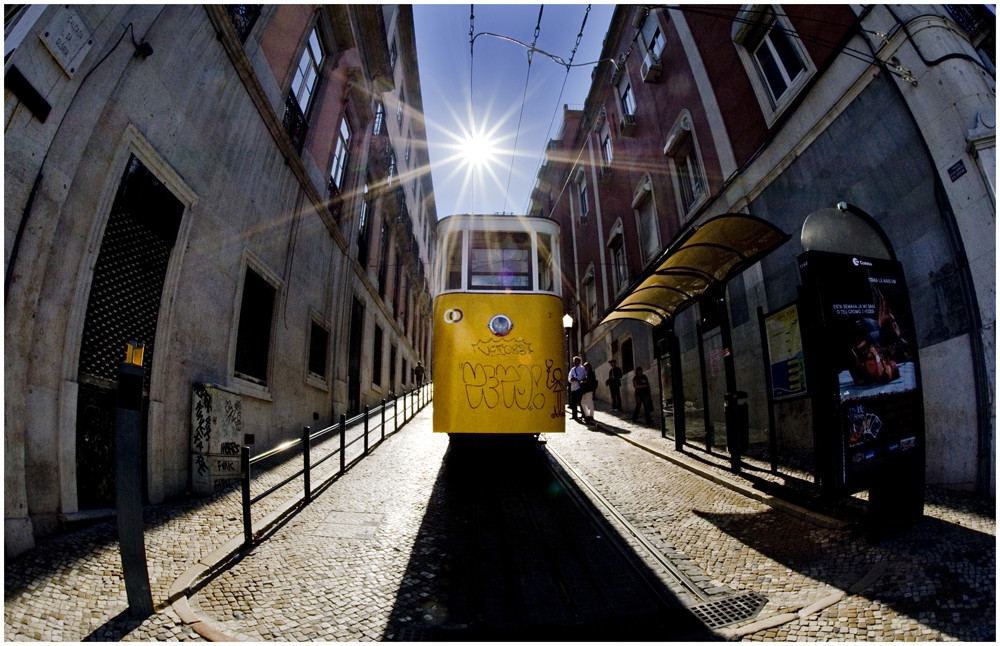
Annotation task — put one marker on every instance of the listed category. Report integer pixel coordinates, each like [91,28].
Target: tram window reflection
[500,260]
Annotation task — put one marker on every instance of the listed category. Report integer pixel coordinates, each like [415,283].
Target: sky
[491,95]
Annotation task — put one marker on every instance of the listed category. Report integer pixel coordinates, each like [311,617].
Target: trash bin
[737,423]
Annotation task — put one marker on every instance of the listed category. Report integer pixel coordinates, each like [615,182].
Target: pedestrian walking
[418,374]
[640,383]
[587,398]
[576,376]
[614,383]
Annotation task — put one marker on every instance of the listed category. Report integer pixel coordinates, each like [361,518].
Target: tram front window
[500,260]
[545,278]
[453,266]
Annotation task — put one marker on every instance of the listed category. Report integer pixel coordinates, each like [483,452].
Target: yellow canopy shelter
[709,255]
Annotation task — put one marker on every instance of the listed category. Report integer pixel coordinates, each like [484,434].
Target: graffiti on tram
[513,387]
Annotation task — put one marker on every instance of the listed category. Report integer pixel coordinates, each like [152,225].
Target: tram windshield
[482,255]
[499,260]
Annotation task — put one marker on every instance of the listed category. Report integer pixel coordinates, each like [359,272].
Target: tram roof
[497,222]
[708,256]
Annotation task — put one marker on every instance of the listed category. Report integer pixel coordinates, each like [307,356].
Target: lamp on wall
[133,352]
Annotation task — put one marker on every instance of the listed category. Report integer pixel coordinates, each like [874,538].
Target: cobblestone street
[363,560]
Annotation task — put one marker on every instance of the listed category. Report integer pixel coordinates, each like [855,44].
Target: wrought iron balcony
[295,122]
[243,17]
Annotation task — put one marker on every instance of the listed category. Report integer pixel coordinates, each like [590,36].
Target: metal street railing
[412,401]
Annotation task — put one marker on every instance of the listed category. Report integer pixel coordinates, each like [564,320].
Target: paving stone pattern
[362,561]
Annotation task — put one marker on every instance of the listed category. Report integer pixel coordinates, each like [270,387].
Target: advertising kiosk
[864,373]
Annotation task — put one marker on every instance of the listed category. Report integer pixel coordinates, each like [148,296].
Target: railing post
[343,441]
[306,490]
[395,412]
[366,429]
[245,473]
[382,427]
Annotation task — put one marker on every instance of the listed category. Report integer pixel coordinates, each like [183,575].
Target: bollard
[382,427]
[343,442]
[366,429]
[306,495]
[245,473]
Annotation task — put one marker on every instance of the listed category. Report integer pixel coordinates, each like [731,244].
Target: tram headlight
[501,325]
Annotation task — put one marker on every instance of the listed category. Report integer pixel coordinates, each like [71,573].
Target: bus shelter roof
[708,256]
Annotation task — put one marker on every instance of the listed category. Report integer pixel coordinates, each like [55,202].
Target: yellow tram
[498,337]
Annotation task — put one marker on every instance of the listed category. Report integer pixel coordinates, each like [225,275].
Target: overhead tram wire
[472,96]
[524,97]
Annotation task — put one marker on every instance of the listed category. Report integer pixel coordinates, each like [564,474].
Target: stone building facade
[781,112]
[243,189]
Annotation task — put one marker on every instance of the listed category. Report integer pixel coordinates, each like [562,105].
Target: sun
[477,150]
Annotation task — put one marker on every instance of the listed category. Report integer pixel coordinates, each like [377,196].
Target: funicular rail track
[714,609]
[606,506]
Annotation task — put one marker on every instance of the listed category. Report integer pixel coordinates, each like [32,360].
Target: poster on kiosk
[867,336]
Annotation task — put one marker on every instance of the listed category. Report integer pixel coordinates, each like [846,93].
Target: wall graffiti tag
[216,431]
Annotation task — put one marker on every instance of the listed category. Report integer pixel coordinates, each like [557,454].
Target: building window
[392,167]
[628,357]
[690,182]
[581,183]
[392,368]
[616,249]
[590,295]
[307,73]
[626,98]
[379,118]
[393,55]
[607,152]
[319,341]
[772,53]
[339,169]
[253,337]
[377,357]
[364,228]
[645,214]
[383,258]
[652,36]
[399,110]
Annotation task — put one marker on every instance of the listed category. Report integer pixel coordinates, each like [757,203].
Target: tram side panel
[485,383]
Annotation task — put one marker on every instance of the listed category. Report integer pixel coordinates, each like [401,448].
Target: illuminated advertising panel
[871,354]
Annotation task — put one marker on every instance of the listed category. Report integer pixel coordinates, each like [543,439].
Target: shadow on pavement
[520,560]
[938,573]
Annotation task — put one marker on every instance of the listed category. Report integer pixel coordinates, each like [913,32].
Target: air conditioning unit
[626,126]
[650,69]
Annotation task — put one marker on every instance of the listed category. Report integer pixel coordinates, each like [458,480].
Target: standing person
[642,396]
[587,399]
[576,376]
[418,373]
[614,383]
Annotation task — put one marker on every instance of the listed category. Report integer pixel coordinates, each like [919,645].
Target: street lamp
[568,325]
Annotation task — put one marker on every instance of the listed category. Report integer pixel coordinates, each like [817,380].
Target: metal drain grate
[730,610]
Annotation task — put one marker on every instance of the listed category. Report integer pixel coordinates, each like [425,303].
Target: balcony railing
[243,17]
[295,122]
